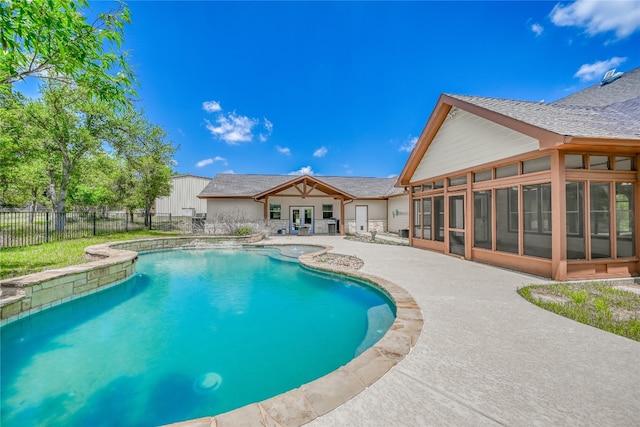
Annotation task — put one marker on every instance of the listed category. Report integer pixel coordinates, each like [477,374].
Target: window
[600,220]
[327,211]
[417,216]
[456,212]
[438,184]
[625,226]
[458,180]
[426,218]
[536,165]
[275,211]
[482,219]
[574,161]
[438,204]
[505,171]
[599,163]
[575,220]
[427,186]
[507,220]
[482,176]
[536,201]
[624,164]
[537,208]
[512,200]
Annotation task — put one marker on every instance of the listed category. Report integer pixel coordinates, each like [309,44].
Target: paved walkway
[486,356]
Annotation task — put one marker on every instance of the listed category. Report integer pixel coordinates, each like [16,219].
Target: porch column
[342,233]
[265,209]
[558,217]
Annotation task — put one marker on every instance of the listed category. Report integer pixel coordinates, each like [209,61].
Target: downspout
[343,221]
[265,213]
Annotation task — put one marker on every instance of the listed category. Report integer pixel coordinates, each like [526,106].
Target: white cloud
[306,170]
[204,162]
[537,28]
[229,171]
[599,16]
[211,106]
[209,161]
[232,129]
[268,125]
[269,129]
[595,71]
[393,175]
[409,143]
[283,150]
[320,152]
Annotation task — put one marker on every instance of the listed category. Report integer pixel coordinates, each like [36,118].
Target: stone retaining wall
[111,263]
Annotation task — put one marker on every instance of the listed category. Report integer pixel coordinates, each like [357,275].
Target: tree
[22,175]
[52,40]
[67,125]
[151,167]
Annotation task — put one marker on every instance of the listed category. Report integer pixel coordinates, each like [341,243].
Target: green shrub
[243,231]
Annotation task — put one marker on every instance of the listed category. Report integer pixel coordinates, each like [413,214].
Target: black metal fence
[34,228]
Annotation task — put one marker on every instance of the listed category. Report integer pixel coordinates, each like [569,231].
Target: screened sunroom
[530,186]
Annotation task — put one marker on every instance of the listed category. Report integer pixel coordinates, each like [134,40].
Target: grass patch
[596,304]
[32,259]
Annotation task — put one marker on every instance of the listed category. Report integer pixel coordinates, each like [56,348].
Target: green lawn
[596,304]
[32,259]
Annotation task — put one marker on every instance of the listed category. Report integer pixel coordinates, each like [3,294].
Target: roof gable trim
[306,185]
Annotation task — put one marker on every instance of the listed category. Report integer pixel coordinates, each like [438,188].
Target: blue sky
[345,88]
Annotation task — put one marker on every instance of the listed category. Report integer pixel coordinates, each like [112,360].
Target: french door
[456,226]
[301,217]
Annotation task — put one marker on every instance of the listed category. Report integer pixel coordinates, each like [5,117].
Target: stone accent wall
[380,225]
[276,224]
[111,263]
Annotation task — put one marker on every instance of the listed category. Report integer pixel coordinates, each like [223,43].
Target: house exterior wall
[465,141]
[254,212]
[247,208]
[398,213]
[183,201]
[376,215]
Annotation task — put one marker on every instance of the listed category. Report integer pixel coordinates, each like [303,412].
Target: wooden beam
[558,217]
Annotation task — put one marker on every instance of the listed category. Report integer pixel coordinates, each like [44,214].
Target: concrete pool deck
[485,355]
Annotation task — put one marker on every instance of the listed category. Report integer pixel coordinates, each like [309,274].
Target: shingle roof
[622,89]
[236,185]
[607,111]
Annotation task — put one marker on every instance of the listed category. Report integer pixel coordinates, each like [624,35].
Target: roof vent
[610,76]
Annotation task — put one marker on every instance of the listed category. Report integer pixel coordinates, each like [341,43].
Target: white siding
[246,208]
[466,140]
[377,209]
[184,190]
[398,213]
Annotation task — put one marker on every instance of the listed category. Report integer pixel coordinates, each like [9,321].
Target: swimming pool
[195,333]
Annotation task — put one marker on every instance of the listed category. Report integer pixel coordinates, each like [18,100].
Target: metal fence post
[94,223]
[46,228]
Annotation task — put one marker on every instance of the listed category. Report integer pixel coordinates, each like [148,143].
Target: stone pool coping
[115,261]
[311,400]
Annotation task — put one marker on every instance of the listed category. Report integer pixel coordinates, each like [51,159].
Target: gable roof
[617,121]
[601,111]
[626,87]
[604,113]
[225,185]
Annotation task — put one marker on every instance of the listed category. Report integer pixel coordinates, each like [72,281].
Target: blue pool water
[192,334]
